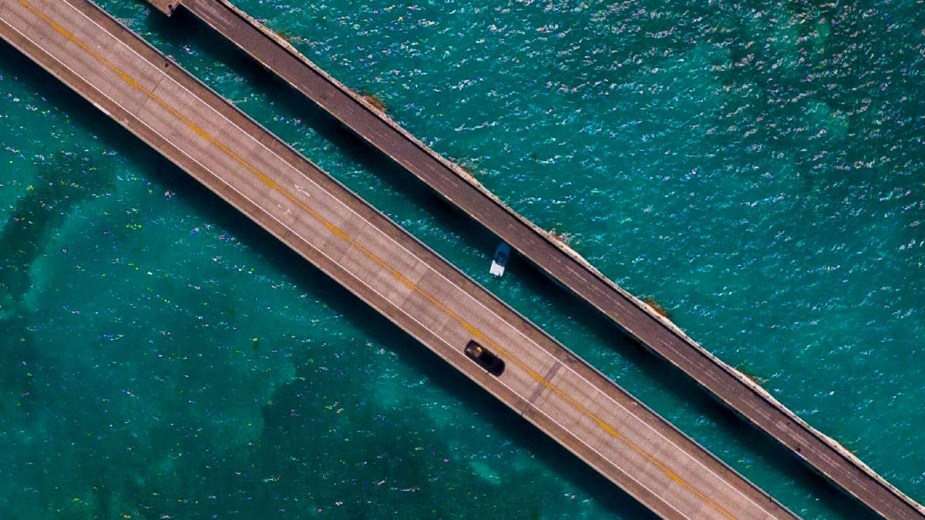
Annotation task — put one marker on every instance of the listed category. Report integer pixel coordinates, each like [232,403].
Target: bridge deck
[376,260]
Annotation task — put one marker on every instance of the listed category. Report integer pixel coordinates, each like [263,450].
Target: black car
[487,360]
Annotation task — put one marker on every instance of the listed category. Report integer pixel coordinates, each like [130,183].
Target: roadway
[725,383]
[377,261]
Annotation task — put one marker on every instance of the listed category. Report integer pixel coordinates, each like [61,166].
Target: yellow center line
[606,427]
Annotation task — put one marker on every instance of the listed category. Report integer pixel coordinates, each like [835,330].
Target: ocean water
[758,168]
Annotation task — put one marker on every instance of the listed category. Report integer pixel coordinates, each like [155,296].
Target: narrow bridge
[728,385]
[383,265]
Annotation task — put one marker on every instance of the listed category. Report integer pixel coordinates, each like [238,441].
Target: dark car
[486,359]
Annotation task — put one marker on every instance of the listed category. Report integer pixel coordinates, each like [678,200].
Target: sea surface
[755,167]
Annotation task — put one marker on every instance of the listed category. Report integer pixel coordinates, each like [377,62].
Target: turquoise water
[757,168]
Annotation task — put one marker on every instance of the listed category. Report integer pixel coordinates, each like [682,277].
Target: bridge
[380,263]
[729,386]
